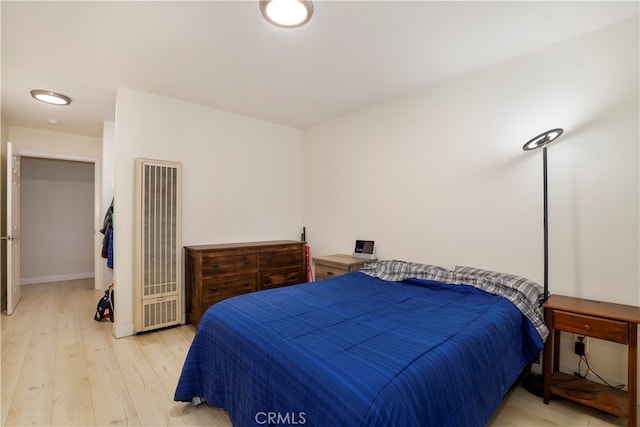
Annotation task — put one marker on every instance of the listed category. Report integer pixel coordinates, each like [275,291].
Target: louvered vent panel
[158,243]
[159,314]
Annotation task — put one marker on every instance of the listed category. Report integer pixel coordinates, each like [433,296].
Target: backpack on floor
[104,310]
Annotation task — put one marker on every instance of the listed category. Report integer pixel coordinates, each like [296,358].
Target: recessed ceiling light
[287,13]
[50,97]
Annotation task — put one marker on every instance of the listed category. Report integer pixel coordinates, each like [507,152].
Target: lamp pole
[546,224]
[534,382]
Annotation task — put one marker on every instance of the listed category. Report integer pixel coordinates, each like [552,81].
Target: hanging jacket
[107,228]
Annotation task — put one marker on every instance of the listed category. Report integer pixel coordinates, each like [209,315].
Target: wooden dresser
[217,272]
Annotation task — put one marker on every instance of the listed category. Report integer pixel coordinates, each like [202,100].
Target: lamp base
[534,383]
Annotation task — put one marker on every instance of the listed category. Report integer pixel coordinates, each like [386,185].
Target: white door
[13,229]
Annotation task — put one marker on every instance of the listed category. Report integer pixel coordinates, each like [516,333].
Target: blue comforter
[359,351]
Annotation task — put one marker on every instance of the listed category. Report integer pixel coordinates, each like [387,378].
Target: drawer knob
[214,265]
[587,327]
[329,273]
[213,289]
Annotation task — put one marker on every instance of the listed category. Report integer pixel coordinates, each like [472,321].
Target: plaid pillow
[396,271]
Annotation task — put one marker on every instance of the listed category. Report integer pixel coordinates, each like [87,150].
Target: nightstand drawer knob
[587,327]
[329,273]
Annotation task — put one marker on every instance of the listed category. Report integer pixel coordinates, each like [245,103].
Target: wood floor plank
[521,408]
[72,398]
[167,366]
[113,404]
[68,332]
[177,341]
[164,364]
[26,311]
[32,399]
[153,403]
[14,350]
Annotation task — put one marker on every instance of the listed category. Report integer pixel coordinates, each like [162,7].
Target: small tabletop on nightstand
[341,260]
[622,312]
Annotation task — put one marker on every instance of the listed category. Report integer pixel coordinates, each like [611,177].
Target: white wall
[439,176]
[33,140]
[57,199]
[4,134]
[108,182]
[242,177]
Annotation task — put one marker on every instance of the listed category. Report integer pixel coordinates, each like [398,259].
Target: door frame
[97,208]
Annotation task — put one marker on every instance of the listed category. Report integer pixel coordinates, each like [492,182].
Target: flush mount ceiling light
[50,97]
[287,13]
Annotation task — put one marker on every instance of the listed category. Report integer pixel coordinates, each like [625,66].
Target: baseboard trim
[121,331]
[57,278]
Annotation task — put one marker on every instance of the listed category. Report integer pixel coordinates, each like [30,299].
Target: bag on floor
[104,310]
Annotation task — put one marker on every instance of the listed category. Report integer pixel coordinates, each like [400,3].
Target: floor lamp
[534,382]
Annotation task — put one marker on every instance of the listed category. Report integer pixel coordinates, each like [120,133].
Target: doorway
[66,175]
[57,220]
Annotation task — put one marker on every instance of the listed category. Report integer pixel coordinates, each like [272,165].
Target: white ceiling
[222,54]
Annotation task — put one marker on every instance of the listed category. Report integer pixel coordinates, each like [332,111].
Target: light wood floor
[60,367]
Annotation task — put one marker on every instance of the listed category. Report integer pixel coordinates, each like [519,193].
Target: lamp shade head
[542,139]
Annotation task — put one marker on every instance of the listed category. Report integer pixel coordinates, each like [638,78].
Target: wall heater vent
[158,244]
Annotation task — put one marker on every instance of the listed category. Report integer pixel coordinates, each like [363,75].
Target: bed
[397,344]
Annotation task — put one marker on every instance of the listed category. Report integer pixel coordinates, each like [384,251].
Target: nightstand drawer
[606,329]
[326,271]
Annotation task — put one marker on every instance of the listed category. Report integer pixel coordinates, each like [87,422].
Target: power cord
[572,384]
[583,358]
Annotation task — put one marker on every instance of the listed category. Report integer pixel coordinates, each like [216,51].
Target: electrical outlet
[581,345]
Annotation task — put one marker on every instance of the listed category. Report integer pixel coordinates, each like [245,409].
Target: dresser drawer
[219,288]
[212,264]
[327,271]
[280,258]
[606,329]
[283,277]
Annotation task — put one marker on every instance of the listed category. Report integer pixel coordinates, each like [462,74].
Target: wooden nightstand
[335,265]
[603,320]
